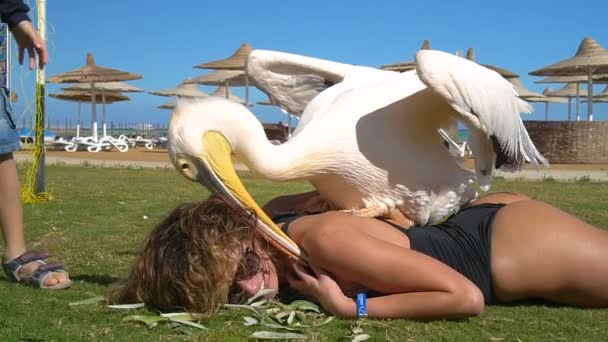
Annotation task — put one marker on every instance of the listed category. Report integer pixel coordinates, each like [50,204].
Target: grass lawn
[99,216]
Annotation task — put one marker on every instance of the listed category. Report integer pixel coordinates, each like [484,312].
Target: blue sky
[163,43]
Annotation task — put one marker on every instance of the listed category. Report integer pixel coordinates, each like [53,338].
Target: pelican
[367,139]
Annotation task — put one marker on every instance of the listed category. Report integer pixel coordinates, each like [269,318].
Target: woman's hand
[323,288]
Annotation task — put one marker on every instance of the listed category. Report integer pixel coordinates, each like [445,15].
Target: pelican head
[202,136]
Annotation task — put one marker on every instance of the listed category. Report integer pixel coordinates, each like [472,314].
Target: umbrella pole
[40,75]
[227,93]
[78,122]
[569,108]
[246,90]
[94,115]
[590,95]
[546,111]
[578,91]
[103,106]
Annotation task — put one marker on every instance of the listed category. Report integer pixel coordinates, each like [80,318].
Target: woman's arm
[417,286]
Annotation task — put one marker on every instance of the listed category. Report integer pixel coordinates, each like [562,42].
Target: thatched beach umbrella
[406,66]
[522,91]
[596,99]
[502,71]
[234,62]
[224,91]
[85,96]
[597,79]
[235,78]
[547,99]
[227,78]
[590,59]
[574,79]
[182,90]
[168,105]
[103,88]
[569,91]
[603,93]
[601,97]
[92,73]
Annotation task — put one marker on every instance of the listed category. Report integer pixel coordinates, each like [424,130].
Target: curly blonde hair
[185,263]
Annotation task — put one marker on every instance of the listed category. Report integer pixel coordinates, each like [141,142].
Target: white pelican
[367,138]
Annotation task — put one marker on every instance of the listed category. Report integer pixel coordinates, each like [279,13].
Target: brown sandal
[39,275]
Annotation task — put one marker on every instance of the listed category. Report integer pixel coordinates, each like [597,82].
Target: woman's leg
[539,251]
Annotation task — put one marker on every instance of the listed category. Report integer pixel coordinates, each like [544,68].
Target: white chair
[461,150]
[139,140]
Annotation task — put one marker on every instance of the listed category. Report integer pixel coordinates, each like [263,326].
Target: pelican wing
[488,105]
[292,81]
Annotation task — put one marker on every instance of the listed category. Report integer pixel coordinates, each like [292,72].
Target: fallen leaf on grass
[177,317]
[127,306]
[273,335]
[360,338]
[88,301]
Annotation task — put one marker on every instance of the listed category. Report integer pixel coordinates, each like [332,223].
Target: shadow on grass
[100,279]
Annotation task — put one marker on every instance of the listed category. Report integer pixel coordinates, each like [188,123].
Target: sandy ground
[159,158]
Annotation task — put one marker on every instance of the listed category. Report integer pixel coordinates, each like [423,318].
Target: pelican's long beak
[214,170]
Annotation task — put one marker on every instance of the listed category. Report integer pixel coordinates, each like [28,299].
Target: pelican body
[367,139]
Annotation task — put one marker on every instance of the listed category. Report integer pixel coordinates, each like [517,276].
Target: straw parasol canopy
[168,105]
[603,93]
[569,90]
[235,78]
[234,62]
[91,73]
[105,86]
[590,56]
[549,99]
[182,90]
[601,97]
[224,91]
[502,71]
[522,91]
[598,99]
[406,66]
[573,79]
[266,103]
[85,96]
[590,59]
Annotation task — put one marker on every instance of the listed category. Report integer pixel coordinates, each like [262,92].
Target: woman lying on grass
[504,248]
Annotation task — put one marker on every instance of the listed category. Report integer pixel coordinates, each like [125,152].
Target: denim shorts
[9,137]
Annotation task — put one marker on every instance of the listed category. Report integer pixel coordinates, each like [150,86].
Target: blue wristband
[361,305]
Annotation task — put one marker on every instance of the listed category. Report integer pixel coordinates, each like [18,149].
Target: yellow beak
[216,172]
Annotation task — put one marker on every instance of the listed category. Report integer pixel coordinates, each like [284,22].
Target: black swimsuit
[463,241]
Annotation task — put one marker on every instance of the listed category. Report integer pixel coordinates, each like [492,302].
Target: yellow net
[31,192]
[31,189]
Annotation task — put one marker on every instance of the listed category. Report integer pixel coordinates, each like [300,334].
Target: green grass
[96,223]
